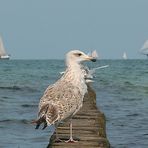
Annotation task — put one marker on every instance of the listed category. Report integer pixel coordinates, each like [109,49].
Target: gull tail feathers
[48,115]
[39,121]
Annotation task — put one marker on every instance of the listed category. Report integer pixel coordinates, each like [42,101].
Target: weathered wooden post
[89,126]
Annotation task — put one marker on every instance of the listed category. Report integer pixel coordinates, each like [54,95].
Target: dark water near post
[122,94]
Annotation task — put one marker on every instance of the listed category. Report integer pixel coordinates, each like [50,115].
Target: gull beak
[90,58]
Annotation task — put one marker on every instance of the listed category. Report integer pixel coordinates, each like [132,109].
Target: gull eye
[79,54]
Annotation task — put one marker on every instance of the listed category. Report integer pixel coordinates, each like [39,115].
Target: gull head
[77,56]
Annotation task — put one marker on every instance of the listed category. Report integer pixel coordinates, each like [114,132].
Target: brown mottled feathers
[64,98]
[47,115]
[58,103]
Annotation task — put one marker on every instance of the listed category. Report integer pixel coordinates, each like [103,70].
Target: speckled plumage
[64,98]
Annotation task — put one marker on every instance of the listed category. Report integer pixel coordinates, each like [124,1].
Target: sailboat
[144,49]
[124,56]
[3,54]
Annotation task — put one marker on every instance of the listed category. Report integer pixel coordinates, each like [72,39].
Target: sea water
[122,94]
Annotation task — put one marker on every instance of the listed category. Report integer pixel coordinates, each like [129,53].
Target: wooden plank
[88,127]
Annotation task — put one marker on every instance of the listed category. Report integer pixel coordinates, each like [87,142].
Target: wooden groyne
[89,127]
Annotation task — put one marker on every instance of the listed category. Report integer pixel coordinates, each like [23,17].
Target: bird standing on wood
[63,99]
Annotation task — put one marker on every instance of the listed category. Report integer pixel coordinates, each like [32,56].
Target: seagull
[63,99]
[89,73]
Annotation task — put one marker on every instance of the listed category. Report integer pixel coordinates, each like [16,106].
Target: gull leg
[57,139]
[71,140]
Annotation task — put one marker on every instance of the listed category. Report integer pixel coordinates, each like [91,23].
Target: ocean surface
[122,94]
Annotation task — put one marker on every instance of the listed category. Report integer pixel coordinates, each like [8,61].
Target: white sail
[93,54]
[144,49]
[124,56]
[3,54]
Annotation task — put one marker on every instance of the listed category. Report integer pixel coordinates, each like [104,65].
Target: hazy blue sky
[45,29]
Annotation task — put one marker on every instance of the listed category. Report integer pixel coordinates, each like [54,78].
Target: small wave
[24,121]
[27,105]
[133,115]
[10,87]
[29,89]
[127,82]
[6,120]
[5,97]
[16,88]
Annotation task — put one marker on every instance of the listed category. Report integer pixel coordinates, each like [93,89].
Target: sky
[47,29]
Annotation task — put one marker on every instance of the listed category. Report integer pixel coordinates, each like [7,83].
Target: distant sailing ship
[3,54]
[144,49]
[124,56]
